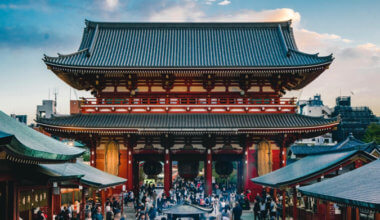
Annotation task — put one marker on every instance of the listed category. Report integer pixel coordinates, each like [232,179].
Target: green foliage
[372,133]
[86,155]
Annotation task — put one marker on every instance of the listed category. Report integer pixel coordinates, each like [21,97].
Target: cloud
[224,2]
[355,69]
[111,4]
[190,11]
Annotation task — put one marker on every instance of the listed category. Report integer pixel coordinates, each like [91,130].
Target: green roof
[23,142]
[90,175]
[359,187]
[188,122]
[304,168]
[187,45]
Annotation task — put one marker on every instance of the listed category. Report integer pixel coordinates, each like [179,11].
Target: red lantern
[188,169]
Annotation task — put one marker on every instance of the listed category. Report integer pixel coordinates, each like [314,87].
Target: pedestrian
[98,214]
[237,211]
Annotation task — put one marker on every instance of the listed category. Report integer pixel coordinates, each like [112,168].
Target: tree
[372,133]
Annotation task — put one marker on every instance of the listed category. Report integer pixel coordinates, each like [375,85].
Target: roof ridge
[272,24]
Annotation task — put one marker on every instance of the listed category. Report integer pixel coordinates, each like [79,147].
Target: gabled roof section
[187,45]
[305,168]
[88,175]
[22,142]
[359,187]
[188,122]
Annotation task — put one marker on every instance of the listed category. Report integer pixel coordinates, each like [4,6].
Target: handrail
[188,101]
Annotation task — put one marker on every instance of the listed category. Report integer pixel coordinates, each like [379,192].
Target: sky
[28,29]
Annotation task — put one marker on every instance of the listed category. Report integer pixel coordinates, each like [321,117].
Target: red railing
[137,104]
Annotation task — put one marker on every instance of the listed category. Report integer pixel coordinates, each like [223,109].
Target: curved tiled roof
[25,143]
[88,175]
[359,187]
[187,45]
[303,169]
[186,121]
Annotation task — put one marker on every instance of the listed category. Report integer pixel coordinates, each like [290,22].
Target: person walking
[237,211]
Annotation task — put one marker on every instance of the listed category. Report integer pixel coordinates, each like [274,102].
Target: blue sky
[28,29]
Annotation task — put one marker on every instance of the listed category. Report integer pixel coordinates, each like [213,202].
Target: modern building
[314,107]
[354,120]
[20,118]
[188,92]
[299,151]
[47,109]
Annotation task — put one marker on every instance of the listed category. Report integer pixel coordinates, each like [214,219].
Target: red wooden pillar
[295,211]
[50,204]
[130,170]
[167,172]
[348,213]
[103,194]
[93,156]
[357,214]
[73,198]
[328,211]
[83,203]
[377,216]
[283,204]
[250,166]
[208,172]
[57,204]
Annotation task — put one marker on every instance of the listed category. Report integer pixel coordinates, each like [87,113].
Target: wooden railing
[196,105]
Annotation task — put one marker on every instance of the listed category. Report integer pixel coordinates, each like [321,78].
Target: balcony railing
[186,105]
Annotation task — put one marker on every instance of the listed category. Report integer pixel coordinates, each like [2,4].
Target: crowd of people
[225,202]
[149,203]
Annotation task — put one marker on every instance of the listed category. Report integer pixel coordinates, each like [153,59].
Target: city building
[314,107]
[188,92]
[354,120]
[47,109]
[20,118]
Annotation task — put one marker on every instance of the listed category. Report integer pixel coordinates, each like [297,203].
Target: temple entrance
[112,158]
[264,158]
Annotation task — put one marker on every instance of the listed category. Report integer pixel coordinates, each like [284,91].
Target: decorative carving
[208,82]
[131,82]
[167,81]
[245,82]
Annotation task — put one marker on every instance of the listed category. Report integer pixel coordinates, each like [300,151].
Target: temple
[187,92]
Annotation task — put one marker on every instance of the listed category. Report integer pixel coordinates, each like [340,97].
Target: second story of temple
[188,67]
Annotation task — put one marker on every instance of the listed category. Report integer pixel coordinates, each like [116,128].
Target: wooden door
[264,158]
[112,158]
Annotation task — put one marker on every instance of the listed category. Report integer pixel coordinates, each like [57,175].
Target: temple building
[37,172]
[187,92]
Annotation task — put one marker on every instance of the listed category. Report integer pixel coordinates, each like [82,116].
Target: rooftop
[21,142]
[359,187]
[189,122]
[305,168]
[187,45]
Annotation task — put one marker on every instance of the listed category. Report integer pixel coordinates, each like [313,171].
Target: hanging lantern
[224,168]
[152,168]
[188,169]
